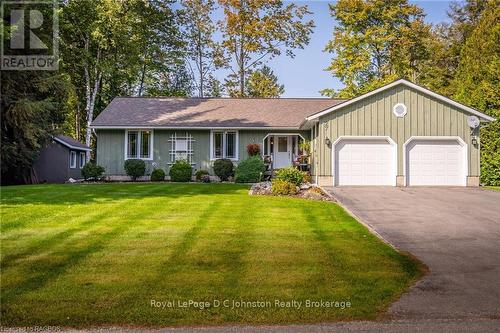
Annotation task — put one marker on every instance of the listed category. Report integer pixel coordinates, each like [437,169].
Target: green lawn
[496,188]
[82,255]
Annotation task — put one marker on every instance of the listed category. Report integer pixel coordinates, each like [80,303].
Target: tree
[445,45]
[375,42]
[201,49]
[255,30]
[33,108]
[177,81]
[115,48]
[477,84]
[264,83]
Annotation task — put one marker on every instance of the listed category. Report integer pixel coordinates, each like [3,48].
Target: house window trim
[71,165]
[80,164]
[151,144]
[224,133]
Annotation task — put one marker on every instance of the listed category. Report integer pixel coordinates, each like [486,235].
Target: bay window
[224,144]
[139,144]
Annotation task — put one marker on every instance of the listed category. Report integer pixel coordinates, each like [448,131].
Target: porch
[283,150]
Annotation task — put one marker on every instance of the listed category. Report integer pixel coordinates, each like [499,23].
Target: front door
[283,152]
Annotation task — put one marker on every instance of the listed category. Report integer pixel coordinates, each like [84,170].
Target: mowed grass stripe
[188,241]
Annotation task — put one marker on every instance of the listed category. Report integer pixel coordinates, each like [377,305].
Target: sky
[304,75]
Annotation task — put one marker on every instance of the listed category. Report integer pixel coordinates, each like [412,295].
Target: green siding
[373,116]
[111,145]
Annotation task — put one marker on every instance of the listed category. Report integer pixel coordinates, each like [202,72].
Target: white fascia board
[194,128]
[408,84]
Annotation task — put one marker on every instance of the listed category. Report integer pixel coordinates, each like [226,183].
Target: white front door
[282,152]
[436,162]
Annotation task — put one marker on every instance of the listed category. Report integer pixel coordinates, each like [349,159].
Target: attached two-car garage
[428,161]
[400,134]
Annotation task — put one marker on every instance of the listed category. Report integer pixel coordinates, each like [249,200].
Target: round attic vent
[399,110]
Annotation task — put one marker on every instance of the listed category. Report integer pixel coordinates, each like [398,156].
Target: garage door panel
[364,162]
[436,162]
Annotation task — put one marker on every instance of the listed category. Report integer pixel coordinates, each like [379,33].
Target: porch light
[328,142]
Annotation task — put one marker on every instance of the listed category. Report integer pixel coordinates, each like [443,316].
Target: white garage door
[436,162]
[364,162]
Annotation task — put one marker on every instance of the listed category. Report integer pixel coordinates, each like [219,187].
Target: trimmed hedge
[158,175]
[249,170]
[91,171]
[181,171]
[223,168]
[135,168]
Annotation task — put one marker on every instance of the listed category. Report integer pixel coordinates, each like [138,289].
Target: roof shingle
[210,112]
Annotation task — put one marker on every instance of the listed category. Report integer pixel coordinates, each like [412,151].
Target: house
[400,134]
[62,159]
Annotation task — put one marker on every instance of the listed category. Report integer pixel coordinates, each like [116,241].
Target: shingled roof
[70,142]
[162,112]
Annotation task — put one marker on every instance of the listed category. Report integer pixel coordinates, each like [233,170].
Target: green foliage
[135,168]
[249,170]
[92,171]
[200,173]
[254,30]
[264,83]
[158,175]
[291,175]
[478,85]
[223,168]
[282,187]
[181,171]
[305,147]
[374,43]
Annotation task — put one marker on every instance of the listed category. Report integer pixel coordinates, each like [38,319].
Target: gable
[405,85]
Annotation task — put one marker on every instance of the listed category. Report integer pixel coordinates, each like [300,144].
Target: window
[399,110]
[82,160]
[139,144]
[181,147]
[72,159]
[224,144]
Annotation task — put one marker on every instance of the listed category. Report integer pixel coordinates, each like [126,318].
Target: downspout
[315,155]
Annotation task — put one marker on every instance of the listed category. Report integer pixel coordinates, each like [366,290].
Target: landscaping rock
[305,186]
[263,188]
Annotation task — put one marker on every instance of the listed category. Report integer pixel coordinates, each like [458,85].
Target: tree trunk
[200,67]
[90,99]
[242,71]
[143,74]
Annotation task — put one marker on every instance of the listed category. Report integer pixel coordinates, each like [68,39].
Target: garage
[436,162]
[365,161]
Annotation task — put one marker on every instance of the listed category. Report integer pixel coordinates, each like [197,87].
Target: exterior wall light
[328,142]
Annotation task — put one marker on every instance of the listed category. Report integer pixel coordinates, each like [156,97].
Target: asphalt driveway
[454,231]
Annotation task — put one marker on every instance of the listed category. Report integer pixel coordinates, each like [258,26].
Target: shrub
[292,175]
[282,187]
[223,168]
[253,149]
[92,171]
[200,173]
[135,168]
[249,170]
[305,147]
[181,171]
[157,175]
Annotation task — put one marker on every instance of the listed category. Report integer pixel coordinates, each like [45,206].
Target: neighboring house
[62,159]
[400,134]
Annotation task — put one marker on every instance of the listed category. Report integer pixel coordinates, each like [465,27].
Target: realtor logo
[30,35]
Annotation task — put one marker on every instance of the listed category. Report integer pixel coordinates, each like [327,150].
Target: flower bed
[306,191]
